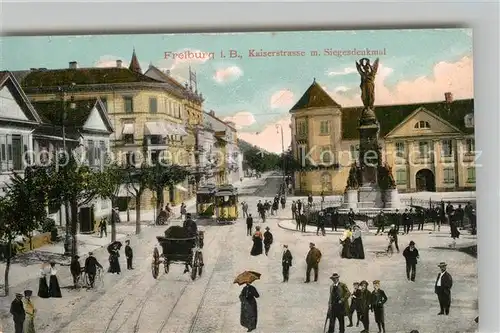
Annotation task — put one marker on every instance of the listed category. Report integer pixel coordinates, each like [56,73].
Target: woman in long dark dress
[114,263]
[346,244]
[257,242]
[357,244]
[43,288]
[454,229]
[248,314]
[54,288]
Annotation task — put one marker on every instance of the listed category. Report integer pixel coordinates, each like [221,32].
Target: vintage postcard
[308,181]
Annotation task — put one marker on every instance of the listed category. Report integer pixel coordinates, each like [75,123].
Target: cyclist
[91,265]
[393,238]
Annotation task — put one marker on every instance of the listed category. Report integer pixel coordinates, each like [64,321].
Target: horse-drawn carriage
[178,247]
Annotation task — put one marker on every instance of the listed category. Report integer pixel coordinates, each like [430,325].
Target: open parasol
[247,277]
[114,244]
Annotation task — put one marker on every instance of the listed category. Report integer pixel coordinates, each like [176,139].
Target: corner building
[429,146]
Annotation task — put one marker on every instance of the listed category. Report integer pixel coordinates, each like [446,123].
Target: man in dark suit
[338,304]
[286,262]
[18,313]
[129,254]
[442,288]
[411,255]
[249,224]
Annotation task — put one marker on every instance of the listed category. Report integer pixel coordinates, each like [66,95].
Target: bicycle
[98,281]
[389,251]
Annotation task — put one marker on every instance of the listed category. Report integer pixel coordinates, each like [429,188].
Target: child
[378,300]
[364,303]
[356,294]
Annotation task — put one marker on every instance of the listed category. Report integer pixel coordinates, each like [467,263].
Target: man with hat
[338,304]
[91,265]
[286,262]
[378,300]
[268,240]
[312,261]
[442,288]
[365,302]
[75,269]
[411,255]
[17,312]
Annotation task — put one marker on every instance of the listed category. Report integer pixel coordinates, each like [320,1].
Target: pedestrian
[299,206]
[257,242]
[406,222]
[460,214]
[338,304]
[248,312]
[76,270]
[421,219]
[54,288]
[411,219]
[129,254]
[442,288]
[335,219]
[303,222]
[244,208]
[454,229]
[18,313]
[294,210]
[397,220]
[103,227]
[283,202]
[91,265]
[249,225]
[312,261]
[115,215]
[29,309]
[365,301]
[286,262]
[355,297]
[183,210]
[43,287]
[358,251]
[310,200]
[114,263]
[411,255]
[378,300]
[449,210]
[267,206]
[321,224]
[275,207]
[345,241]
[393,237]
[268,240]
[380,223]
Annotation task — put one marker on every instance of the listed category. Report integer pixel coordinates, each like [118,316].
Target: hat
[284,245]
[267,228]
[28,293]
[312,244]
[91,253]
[392,225]
[412,243]
[356,283]
[364,283]
[334,276]
[376,282]
[76,256]
[442,264]
[19,295]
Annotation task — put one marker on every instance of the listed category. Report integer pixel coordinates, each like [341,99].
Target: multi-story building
[149,112]
[429,145]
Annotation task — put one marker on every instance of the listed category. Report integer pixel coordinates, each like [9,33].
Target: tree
[22,209]
[164,175]
[136,182]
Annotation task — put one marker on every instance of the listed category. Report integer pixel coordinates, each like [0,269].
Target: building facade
[153,114]
[429,146]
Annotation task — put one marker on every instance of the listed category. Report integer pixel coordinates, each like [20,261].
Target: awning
[53,137]
[154,128]
[181,130]
[128,129]
[170,129]
[181,188]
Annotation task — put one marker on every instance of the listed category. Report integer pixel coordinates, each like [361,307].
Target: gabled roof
[315,97]
[52,113]
[390,116]
[81,76]
[134,64]
[8,80]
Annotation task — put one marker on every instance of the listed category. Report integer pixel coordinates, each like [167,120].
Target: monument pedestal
[350,199]
[370,196]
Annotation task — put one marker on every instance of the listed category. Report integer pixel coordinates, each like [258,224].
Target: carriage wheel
[193,272]
[166,266]
[199,254]
[155,264]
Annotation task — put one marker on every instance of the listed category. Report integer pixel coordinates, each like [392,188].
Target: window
[423,149]
[422,125]
[470,147]
[469,120]
[354,150]
[446,146]
[326,155]
[91,152]
[102,152]
[302,154]
[17,152]
[130,159]
[153,105]
[448,175]
[471,175]
[104,101]
[301,128]
[128,138]
[128,103]
[400,149]
[324,127]
[401,177]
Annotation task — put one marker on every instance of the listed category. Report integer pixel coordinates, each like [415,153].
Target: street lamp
[278,128]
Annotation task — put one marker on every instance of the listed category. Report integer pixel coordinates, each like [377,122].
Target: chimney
[212,113]
[73,65]
[448,97]
[119,64]
[167,72]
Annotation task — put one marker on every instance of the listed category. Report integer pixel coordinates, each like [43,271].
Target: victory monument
[370,184]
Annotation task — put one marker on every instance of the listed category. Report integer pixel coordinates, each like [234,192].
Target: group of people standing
[352,243]
[50,288]
[269,207]
[23,313]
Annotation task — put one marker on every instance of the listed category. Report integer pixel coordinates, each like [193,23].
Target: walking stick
[326,321]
